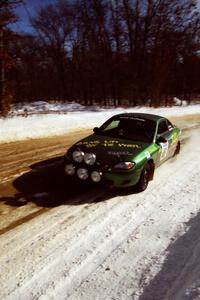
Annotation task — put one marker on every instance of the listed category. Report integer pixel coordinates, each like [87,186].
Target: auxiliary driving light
[78,156]
[70,169]
[90,158]
[82,173]
[96,176]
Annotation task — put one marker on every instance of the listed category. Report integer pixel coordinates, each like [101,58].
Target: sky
[29,9]
[23,12]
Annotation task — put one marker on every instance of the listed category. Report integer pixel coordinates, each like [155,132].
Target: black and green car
[124,151]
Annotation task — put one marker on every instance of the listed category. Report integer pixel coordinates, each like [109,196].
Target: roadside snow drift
[44,125]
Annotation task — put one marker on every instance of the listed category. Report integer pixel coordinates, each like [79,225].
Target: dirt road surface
[61,239]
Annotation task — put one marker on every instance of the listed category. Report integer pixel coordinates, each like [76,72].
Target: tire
[144,179]
[178,148]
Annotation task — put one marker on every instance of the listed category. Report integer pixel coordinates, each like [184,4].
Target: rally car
[124,151]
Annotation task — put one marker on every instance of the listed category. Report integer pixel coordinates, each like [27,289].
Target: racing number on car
[164,150]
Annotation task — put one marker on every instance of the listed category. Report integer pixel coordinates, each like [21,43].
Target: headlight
[96,176]
[89,158]
[82,173]
[78,156]
[127,165]
[70,169]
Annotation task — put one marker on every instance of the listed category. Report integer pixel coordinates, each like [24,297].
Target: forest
[101,52]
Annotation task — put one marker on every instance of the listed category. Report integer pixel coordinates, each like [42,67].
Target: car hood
[109,150]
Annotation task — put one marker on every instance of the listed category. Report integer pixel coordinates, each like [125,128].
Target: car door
[173,138]
[165,132]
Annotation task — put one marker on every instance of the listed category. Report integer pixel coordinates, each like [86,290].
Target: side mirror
[161,139]
[170,127]
[95,129]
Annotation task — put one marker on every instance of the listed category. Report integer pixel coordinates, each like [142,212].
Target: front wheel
[144,179]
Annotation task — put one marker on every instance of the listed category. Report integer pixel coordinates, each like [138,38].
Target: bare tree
[7,16]
[54,26]
[111,52]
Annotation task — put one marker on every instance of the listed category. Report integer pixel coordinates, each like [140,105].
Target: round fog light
[90,158]
[82,173]
[70,169]
[96,176]
[78,156]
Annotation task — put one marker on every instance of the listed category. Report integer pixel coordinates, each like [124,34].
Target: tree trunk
[2,75]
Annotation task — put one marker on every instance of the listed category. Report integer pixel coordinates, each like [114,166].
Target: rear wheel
[144,179]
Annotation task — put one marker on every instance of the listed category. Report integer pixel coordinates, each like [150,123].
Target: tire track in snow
[16,157]
[21,221]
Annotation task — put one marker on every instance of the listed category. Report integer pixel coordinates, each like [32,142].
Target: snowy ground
[62,240]
[45,121]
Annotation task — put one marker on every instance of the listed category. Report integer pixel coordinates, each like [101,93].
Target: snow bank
[43,106]
[179,102]
[43,125]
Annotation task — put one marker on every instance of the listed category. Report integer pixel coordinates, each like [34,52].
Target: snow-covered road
[62,240]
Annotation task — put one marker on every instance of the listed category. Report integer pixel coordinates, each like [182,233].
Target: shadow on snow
[46,185]
[181,268]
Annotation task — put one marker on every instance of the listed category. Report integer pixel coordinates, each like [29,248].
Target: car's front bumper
[115,178]
[123,179]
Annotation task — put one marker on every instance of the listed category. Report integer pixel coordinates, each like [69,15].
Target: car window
[129,128]
[163,127]
[112,125]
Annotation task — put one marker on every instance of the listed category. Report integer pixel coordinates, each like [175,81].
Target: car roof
[140,115]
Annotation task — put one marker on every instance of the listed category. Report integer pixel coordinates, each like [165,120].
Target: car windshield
[130,128]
